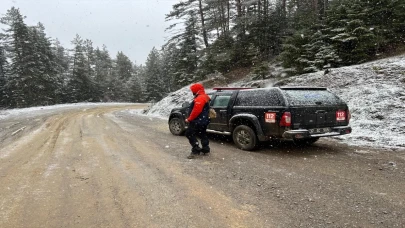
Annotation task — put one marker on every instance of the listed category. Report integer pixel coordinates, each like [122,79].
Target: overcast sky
[131,26]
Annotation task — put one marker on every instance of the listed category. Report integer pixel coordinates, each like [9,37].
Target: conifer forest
[205,37]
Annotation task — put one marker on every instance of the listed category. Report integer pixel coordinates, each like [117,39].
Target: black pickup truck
[250,116]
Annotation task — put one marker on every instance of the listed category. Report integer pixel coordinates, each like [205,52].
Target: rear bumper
[302,133]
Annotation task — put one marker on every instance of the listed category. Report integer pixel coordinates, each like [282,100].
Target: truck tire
[305,142]
[244,137]
[177,126]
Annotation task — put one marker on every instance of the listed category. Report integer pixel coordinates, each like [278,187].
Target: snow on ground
[33,111]
[374,92]
[173,100]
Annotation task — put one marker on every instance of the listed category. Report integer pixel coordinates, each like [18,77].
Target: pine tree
[319,53]
[264,27]
[134,85]
[61,57]
[294,55]
[169,59]
[187,53]
[17,38]
[94,92]
[44,68]
[397,21]
[354,42]
[154,82]
[62,60]
[3,78]
[218,15]
[90,59]
[103,71]
[32,79]
[182,11]
[122,73]
[386,20]
[80,84]
[324,52]
[124,67]
[304,13]
[219,54]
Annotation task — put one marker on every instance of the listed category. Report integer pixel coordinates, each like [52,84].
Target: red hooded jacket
[200,99]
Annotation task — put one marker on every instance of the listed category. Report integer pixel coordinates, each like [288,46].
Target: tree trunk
[325,7]
[315,8]
[216,22]
[222,16]
[239,8]
[322,9]
[229,14]
[204,30]
[284,7]
[240,15]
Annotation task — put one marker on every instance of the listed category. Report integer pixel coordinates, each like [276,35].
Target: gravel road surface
[105,167]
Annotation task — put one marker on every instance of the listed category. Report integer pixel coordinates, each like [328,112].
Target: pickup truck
[251,116]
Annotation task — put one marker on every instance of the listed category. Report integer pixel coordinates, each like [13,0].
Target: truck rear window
[311,97]
[259,97]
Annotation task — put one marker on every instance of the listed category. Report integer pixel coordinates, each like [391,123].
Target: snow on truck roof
[283,88]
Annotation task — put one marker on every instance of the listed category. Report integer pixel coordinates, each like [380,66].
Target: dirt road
[105,167]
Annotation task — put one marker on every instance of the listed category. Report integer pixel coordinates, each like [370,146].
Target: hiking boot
[196,150]
[205,150]
[192,155]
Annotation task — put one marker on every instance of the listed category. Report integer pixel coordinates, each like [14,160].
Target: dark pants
[195,130]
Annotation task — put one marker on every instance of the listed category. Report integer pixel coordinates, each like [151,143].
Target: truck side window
[259,97]
[221,100]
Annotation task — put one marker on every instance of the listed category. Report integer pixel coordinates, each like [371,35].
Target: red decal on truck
[270,117]
[340,115]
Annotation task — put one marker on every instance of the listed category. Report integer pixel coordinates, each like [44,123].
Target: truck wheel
[177,126]
[305,142]
[244,137]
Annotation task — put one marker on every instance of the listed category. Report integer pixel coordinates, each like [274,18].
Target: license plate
[320,130]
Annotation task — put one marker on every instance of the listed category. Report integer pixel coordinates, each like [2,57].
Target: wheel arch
[175,115]
[249,120]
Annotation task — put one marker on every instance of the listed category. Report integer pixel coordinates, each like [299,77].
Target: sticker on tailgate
[270,117]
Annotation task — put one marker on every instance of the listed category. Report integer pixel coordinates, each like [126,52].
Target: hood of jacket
[197,89]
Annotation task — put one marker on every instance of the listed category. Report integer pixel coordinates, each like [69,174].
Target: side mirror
[185,104]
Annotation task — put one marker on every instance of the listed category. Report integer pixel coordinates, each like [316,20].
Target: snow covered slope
[173,100]
[375,93]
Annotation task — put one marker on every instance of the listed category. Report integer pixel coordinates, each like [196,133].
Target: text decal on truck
[270,117]
[340,115]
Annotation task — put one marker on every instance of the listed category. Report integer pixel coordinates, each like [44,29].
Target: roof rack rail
[302,88]
[231,88]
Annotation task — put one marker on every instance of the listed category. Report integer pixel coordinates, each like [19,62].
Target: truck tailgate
[317,117]
[315,108]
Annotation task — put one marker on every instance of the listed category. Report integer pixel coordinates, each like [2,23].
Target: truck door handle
[222,111]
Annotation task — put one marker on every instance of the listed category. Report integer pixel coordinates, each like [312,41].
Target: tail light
[340,115]
[285,120]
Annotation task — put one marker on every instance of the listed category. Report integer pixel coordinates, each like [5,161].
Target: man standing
[198,121]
